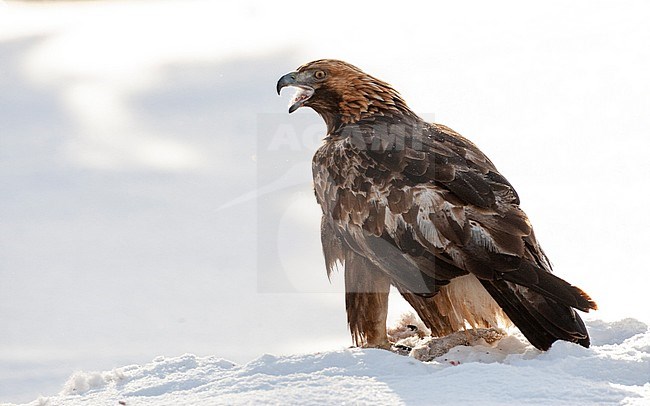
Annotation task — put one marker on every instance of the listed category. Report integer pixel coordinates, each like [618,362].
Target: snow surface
[615,370]
[156,197]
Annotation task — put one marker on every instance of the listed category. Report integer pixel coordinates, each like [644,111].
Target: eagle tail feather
[542,320]
[549,285]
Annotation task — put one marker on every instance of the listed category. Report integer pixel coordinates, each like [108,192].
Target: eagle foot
[382,345]
[401,349]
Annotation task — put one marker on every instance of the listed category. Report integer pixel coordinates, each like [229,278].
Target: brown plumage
[417,206]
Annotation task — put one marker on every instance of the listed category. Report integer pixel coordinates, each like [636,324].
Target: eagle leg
[366,302]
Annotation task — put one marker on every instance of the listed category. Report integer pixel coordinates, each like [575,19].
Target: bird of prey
[417,206]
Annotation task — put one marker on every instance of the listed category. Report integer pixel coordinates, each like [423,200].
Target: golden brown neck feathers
[347,95]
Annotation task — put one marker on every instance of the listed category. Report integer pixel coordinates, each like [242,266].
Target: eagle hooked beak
[302,95]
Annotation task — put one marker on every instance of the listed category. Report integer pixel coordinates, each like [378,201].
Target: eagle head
[341,93]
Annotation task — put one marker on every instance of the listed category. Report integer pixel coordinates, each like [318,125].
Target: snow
[615,370]
[157,199]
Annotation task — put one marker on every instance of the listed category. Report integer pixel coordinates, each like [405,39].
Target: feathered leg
[366,302]
[427,310]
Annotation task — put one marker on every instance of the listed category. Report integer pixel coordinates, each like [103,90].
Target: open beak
[303,93]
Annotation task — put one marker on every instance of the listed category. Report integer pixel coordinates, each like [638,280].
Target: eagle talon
[401,349]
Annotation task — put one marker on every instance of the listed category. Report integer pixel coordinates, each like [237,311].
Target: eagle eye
[320,74]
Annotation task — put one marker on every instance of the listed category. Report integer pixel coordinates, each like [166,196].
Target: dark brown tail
[542,319]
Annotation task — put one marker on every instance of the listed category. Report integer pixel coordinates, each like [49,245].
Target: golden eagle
[417,206]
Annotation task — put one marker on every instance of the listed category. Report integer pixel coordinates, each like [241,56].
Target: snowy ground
[156,196]
[616,370]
